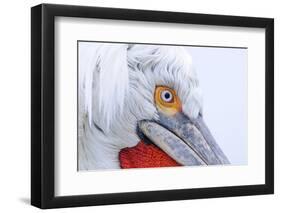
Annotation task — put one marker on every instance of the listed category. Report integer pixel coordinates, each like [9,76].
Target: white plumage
[116,89]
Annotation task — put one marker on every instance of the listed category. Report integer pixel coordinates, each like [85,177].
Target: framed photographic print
[139,106]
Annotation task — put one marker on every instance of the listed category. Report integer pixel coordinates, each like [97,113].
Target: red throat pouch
[145,155]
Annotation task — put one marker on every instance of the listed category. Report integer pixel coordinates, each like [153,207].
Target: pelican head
[130,93]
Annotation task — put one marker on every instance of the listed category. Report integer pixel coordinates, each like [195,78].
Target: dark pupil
[167,95]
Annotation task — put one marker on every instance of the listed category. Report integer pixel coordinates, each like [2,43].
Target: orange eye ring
[166,100]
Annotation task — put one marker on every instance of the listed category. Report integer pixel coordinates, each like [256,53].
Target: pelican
[141,106]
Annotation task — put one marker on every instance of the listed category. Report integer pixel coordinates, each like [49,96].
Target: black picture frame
[43,105]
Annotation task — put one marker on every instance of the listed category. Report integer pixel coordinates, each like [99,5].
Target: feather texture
[116,90]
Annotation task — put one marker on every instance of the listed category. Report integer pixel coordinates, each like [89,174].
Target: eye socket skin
[166,100]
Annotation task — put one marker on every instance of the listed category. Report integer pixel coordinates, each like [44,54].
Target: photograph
[160,105]
[140,105]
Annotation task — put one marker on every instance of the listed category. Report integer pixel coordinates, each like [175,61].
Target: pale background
[222,74]
[15,107]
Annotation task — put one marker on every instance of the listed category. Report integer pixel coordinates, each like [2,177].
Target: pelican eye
[166,96]
[166,100]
